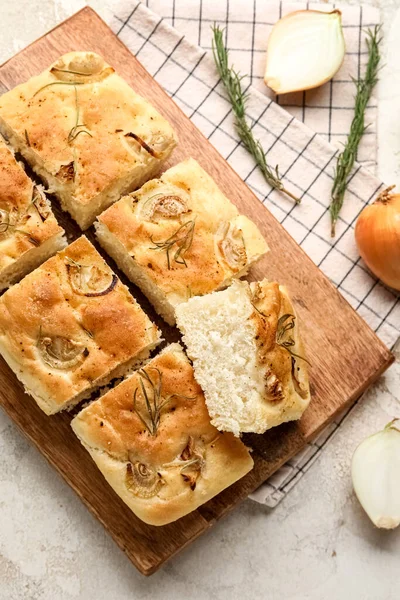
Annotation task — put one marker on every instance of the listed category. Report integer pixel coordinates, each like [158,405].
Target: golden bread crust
[186,203]
[61,342]
[185,463]
[76,120]
[281,353]
[26,219]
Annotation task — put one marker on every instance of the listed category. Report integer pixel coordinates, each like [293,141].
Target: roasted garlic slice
[4,220]
[66,172]
[41,203]
[155,145]
[273,387]
[193,458]
[231,246]
[159,144]
[300,389]
[143,481]
[163,206]
[90,280]
[60,352]
[190,462]
[11,220]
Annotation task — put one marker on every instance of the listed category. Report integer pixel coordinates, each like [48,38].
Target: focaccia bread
[71,326]
[85,132]
[29,232]
[178,237]
[167,459]
[248,355]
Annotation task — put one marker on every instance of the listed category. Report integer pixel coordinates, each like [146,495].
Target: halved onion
[90,280]
[305,49]
[375,471]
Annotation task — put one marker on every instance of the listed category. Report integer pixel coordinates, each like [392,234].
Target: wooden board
[346,355]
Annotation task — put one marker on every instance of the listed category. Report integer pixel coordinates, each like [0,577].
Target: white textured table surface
[316,544]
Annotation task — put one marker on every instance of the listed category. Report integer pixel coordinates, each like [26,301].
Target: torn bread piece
[86,133]
[29,232]
[152,440]
[70,327]
[178,237]
[248,355]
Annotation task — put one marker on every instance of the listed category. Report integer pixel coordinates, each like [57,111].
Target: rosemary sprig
[57,83]
[76,129]
[285,323]
[154,403]
[232,81]
[346,158]
[182,238]
[72,262]
[6,225]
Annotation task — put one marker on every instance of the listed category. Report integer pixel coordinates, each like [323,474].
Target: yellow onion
[378,237]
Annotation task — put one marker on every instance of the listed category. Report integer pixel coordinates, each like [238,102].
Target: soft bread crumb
[221,341]
[222,335]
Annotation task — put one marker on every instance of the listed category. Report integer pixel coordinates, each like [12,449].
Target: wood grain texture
[346,355]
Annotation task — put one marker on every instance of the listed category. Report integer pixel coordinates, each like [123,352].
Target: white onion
[305,49]
[375,472]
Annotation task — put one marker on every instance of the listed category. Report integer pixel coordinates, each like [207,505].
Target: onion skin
[377,236]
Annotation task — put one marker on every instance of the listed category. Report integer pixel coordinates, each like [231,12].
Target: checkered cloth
[306,159]
[327,110]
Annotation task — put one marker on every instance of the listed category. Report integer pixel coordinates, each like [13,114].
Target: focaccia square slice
[152,440]
[248,355]
[179,236]
[29,232]
[86,133]
[71,326]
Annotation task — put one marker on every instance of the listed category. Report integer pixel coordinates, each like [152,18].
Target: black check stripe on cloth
[306,160]
[327,110]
